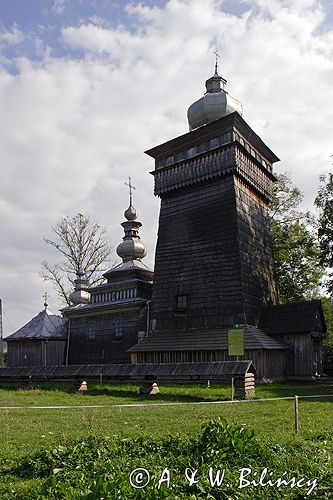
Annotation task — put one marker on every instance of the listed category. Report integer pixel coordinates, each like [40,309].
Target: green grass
[26,431]
[63,393]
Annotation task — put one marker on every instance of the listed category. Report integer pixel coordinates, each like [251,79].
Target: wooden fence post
[296,414]
[232,388]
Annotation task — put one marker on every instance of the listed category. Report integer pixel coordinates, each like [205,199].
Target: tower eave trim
[234,120]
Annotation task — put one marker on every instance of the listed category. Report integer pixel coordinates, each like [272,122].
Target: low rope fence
[296,399]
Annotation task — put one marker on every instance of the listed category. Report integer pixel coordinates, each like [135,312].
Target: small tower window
[91,333]
[119,328]
[181,302]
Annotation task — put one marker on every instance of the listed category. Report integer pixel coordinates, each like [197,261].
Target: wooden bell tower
[214,260]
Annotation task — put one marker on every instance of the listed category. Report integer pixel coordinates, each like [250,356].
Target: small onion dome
[215,104]
[80,295]
[131,247]
[131,213]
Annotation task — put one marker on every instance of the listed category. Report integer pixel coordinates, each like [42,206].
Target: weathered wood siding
[196,257]
[214,247]
[304,358]
[105,338]
[255,251]
[268,363]
[36,353]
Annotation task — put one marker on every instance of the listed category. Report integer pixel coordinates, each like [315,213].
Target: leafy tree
[83,247]
[296,251]
[297,266]
[324,203]
[286,199]
[327,306]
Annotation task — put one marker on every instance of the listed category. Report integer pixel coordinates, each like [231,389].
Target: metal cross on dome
[217,56]
[130,186]
[45,299]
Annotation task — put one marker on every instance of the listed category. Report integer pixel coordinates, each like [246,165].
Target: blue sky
[29,14]
[41,22]
[87,86]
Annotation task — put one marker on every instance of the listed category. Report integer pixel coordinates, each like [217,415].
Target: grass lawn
[25,431]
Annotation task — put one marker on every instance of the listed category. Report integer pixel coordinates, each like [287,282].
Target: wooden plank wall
[256,252]
[106,347]
[196,256]
[214,246]
[303,359]
[36,353]
[268,363]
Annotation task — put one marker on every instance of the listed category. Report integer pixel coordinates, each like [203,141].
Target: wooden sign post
[235,348]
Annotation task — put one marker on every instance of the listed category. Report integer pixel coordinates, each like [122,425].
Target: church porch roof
[204,340]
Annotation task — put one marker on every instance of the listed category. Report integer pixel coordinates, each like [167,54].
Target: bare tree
[83,247]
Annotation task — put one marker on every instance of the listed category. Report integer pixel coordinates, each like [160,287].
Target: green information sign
[236,341]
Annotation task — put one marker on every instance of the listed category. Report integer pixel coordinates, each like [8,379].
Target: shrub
[99,468]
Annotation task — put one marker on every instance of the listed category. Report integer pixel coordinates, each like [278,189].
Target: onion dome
[131,247]
[131,213]
[80,294]
[215,104]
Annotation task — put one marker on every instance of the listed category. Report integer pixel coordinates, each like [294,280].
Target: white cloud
[98,21]
[58,6]
[72,130]
[14,36]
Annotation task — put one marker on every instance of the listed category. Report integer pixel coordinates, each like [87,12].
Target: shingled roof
[43,326]
[158,371]
[296,317]
[203,340]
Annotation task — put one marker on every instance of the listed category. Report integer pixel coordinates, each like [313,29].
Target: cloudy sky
[87,85]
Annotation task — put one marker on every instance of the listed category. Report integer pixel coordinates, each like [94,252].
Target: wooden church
[214,266]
